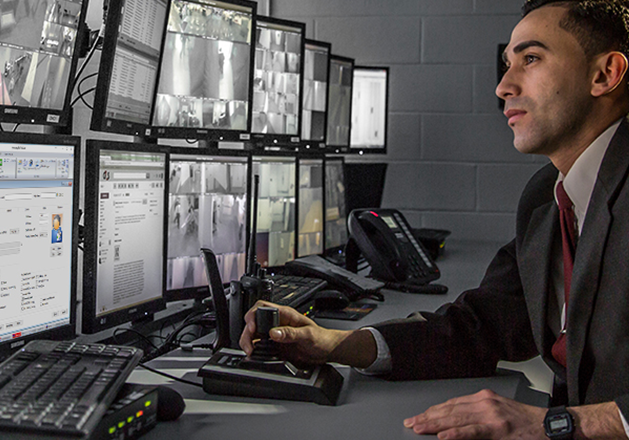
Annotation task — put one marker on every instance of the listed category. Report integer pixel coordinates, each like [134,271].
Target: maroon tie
[568,242]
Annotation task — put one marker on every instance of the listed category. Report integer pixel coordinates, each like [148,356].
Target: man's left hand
[484,415]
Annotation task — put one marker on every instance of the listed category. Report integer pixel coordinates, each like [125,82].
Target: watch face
[559,426]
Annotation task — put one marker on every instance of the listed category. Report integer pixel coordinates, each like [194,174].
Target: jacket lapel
[589,255]
[534,260]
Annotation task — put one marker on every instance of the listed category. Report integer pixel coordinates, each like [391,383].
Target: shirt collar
[580,180]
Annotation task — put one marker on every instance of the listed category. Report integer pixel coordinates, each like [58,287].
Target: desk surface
[369,408]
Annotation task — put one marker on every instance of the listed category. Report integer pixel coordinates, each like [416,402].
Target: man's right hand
[303,341]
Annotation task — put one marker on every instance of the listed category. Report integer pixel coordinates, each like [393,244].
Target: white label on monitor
[53,119]
[245,137]
[294,139]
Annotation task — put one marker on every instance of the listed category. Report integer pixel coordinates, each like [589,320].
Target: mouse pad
[353,312]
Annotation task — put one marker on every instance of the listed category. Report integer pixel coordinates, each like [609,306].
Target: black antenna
[252,257]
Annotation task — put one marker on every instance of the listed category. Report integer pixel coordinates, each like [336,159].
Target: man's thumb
[284,334]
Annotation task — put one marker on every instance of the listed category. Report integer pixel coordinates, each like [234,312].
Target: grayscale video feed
[340,97]
[276,81]
[335,213]
[275,238]
[315,93]
[37,41]
[369,108]
[204,79]
[207,208]
[310,207]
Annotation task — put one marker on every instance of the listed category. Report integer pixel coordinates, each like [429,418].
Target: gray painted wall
[451,159]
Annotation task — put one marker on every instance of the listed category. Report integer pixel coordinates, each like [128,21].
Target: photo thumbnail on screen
[335,208]
[277,78]
[205,69]
[37,44]
[207,209]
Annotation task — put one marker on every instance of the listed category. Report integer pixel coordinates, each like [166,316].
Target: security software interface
[207,208]
[369,102]
[340,97]
[136,59]
[130,229]
[37,41]
[310,207]
[335,215]
[204,79]
[277,79]
[275,238]
[36,194]
[315,92]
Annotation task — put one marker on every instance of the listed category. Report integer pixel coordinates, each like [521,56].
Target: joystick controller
[265,374]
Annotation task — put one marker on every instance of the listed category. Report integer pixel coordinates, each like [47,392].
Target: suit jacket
[505,318]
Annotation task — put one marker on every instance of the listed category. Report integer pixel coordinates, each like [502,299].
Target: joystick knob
[266,319]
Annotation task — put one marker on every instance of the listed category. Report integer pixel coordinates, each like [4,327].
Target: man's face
[55,223]
[546,87]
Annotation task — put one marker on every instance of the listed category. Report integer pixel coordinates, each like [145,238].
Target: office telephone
[385,239]
[353,285]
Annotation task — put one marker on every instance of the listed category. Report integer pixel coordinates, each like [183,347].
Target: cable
[90,54]
[170,376]
[120,330]
[81,98]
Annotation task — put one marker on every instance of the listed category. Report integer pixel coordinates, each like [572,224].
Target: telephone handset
[385,239]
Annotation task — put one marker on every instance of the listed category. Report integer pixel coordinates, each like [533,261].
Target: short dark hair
[598,25]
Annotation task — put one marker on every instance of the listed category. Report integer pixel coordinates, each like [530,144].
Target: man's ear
[609,72]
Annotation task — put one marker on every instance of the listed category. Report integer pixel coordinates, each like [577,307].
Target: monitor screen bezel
[99,121]
[48,116]
[282,141]
[66,331]
[92,323]
[211,134]
[201,292]
[374,150]
[340,149]
[319,144]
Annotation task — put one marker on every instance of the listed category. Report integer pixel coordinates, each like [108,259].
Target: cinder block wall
[451,159]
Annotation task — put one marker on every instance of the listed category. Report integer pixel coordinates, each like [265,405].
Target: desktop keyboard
[61,389]
[293,291]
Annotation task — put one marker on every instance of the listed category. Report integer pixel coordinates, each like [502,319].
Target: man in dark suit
[560,288]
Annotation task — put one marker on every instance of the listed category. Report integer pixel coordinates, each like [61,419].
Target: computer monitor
[335,209]
[278,81]
[310,208]
[204,88]
[39,207]
[339,103]
[125,241]
[369,110]
[38,55]
[129,63]
[314,120]
[207,208]
[275,238]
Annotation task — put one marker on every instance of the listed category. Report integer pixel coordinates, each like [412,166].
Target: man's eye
[530,59]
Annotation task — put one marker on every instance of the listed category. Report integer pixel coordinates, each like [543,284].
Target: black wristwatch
[559,424]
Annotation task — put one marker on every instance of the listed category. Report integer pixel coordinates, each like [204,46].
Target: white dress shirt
[579,185]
